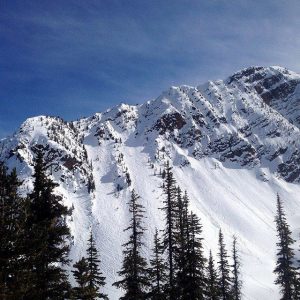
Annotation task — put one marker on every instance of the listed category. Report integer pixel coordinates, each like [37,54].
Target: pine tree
[184,249]
[195,281]
[95,277]
[185,220]
[181,242]
[134,273]
[284,270]
[11,216]
[5,245]
[237,283]
[224,270]
[88,275]
[213,290]
[81,275]
[169,236]
[185,213]
[157,270]
[46,249]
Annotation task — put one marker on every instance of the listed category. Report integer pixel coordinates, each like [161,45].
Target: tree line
[35,243]
[178,268]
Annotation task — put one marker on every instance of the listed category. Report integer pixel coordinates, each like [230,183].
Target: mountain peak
[256,73]
[231,143]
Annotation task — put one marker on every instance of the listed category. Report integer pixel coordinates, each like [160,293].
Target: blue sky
[74,58]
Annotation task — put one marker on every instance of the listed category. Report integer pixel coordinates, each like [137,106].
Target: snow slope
[233,143]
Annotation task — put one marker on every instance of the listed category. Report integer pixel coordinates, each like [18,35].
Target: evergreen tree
[169,237]
[185,214]
[184,249]
[10,231]
[195,281]
[81,275]
[213,291]
[134,273]
[224,270]
[284,270]
[88,275]
[181,243]
[5,244]
[157,270]
[180,222]
[237,283]
[46,249]
[95,277]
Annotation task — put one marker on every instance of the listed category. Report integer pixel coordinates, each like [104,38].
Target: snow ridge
[233,143]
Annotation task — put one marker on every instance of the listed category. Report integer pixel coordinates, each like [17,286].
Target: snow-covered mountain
[233,144]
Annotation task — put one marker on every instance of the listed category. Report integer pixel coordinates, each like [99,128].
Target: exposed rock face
[249,121]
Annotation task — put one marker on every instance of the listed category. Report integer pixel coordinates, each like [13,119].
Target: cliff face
[233,144]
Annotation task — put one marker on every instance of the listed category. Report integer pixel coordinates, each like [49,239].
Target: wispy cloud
[82,56]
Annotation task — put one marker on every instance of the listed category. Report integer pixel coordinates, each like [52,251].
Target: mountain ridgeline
[233,144]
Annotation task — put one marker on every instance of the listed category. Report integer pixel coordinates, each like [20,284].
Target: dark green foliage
[157,270]
[195,281]
[213,289]
[236,280]
[48,233]
[34,270]
[96,279]
[224,270]
[180,233]
[88,275]
[183,245]
[284,270]
[134,271]
[11,215]
[169,237]
[81,275]
[34,246]
[182,248]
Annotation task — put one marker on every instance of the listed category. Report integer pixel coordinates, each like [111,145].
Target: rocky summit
[233,144]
